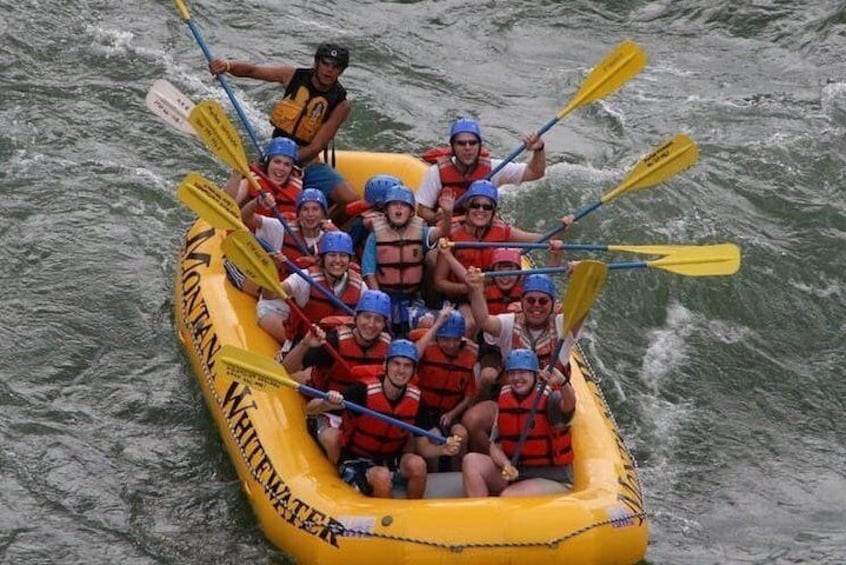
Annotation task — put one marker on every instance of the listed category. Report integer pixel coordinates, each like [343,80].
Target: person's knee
[488,376]
[379,477]
[472,462]
[414,466]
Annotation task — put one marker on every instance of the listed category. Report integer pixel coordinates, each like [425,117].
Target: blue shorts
[322,177]
[354,472]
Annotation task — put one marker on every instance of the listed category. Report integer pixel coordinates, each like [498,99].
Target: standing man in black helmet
[311,111]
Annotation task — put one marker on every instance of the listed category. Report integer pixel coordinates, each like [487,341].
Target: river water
[729,390]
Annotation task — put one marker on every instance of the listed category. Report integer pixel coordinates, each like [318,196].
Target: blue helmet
[335,242]
[281,146]
[312,195]
[377,187]
[522,360]
[465,125]
[539,283]
[374,301]
[402,348]
[480,188]
[453,327]
[400,193]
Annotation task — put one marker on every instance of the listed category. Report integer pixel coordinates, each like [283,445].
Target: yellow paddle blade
[219,134]
[246,253]
[618,67]
[664,249]
[209,202]
[255,371]
[183,10]
[707,261]
[666,161]
[584,286]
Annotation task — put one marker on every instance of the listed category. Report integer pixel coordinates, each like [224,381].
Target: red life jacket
[399,255]
[443,380]
[434,154]
[481,258]
[499,301]
[546,445]
[289,247]
[366,436]
[335,377]
[543,346]
[319,307]
[285,195]
[453,179]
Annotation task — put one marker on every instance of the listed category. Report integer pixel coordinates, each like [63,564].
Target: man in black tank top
[311,111]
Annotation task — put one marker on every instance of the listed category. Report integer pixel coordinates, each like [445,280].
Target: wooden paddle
[584,286]
[666,161]
[705,261]
[265,374]
[168,103]
[218,133]
[186,17]
[617,68]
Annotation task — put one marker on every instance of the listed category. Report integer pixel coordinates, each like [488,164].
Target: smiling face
[537,308]
[466,148]
[369,325]
[521,381]
[399,370]
[480,211]
[279,169]
[506,283]
[336,264]
[311,215]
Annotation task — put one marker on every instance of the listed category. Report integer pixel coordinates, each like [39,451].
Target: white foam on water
[667,348]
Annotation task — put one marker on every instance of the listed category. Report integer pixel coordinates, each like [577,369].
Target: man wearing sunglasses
[312,109]
[534,328]
[467,162]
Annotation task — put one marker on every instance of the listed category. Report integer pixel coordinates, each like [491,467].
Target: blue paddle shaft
[367,411]
[196,33]
[527,245]
[578,216]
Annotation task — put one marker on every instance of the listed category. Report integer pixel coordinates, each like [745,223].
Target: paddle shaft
[372,413]
[186,16]
[336,355]
[526,245]
[578,216]
[524,433]
[516,153]
[301,244]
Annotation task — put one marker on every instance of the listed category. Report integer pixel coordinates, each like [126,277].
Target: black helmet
[333,51]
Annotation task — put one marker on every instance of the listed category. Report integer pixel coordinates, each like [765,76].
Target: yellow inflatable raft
[308,512]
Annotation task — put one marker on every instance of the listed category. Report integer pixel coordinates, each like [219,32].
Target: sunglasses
[480,206]
[542,301]
[466,142]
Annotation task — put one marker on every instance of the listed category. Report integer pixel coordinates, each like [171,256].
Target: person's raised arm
[536,167]
[315,338]
[476,283]
[441,278]
[429,336]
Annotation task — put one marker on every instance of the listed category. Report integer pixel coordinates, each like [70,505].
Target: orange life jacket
[366,436]
[399,255]
[335,377]
[434,154]
[481,258]
[304,108]
[546,445]
[499,301]
[456,181]
[443,380]
[285,195]
[542,346]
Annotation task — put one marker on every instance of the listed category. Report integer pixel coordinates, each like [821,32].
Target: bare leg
[534,487]
[380,479]
[478,421]
[460,431]
[469,320]
[274,324]
[330,440]
[413,468]
[481,477]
